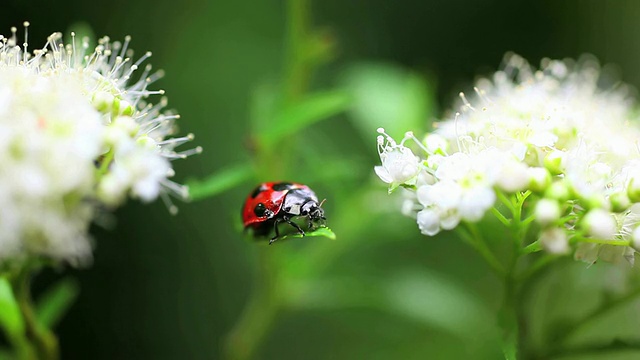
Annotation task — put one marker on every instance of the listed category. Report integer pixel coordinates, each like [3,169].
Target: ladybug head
[313,210]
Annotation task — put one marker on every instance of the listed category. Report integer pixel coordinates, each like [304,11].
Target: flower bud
[635,238]
[600,224]
[555,241]
[539,179]
[633,189]
[436,144]
[558,190]
[555,162]
[102,101]
[513,177]
[547,211]
[619,201]
[428,222]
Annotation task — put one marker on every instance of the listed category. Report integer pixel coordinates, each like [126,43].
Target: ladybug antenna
[322,202]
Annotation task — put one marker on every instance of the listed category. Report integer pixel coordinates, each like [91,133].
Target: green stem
[531,248]
[105,162]
[503,219]
[537,265]
[508,319]
[42,338]
[298,70]
[259,314]
[473,238]
[505,200]
[265,303]
[519,227]
[605,242]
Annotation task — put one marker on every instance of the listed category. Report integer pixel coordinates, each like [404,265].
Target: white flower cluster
[553,133]
[76,135]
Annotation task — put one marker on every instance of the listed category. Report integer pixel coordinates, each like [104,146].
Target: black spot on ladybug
[260,210]
[282,186]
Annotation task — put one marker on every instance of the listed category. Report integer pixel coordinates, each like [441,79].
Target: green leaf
[297,116]
[5,354]
[53,304]
[388,96]
[510,348]
[10,316]
[321,231]
[219,182]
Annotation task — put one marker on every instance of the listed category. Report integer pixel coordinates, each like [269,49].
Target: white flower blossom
[547,211]
[399,164]
[552,135]
[600,224]
[76,133]
[555,241]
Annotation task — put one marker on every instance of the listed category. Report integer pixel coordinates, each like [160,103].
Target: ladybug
[272,203]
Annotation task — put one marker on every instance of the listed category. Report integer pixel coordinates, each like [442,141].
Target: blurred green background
[166,287]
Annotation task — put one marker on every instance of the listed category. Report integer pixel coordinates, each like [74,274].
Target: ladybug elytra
[272,203]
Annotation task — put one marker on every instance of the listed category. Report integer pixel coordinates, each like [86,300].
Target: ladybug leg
[275,227]
[288,221]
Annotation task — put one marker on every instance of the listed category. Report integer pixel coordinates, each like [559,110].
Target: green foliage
[291,118]
[219,182]
[380,292]
[322,231]
[5,354]
[10,316]
[54,303]
[390,97]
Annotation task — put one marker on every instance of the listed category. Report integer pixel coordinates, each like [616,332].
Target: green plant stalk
[105,163]
[509,319]
[299,71]
[23,349]
[474,239]
[42,338]
[259,314]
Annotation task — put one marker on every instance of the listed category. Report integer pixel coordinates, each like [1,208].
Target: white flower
[443,198]
[51,136]
[514,176]
[600,224]
[539,178]
[428,222]
[547,211]
[75,131]
[399,164]
[555,162]
[635,239]
[436,144]
[555,241]
[475,203]
[550,138]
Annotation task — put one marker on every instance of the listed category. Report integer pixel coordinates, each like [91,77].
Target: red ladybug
[274,202]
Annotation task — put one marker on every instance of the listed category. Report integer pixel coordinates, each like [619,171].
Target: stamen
[465,101]
[26,41]
[173,210]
